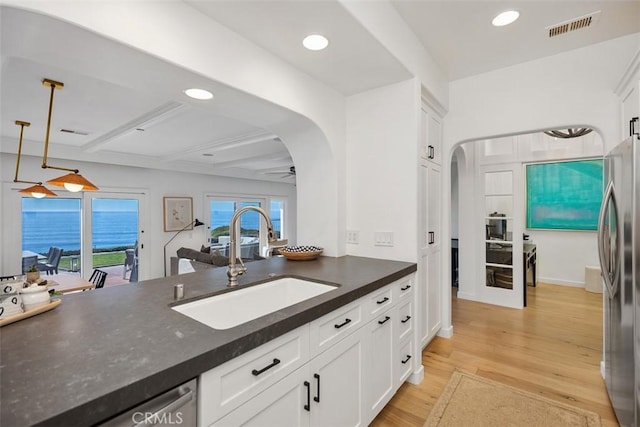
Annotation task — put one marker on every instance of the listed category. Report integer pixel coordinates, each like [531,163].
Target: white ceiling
[134,116]
[460,37]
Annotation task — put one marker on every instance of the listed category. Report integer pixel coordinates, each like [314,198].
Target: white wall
[563,255]
[382,128]
[155,183]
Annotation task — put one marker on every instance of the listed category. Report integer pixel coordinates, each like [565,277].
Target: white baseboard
[602,371]
[446,332]
[416,376]
[561,282]
[467,296]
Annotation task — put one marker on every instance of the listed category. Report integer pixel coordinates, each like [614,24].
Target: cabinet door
[282,404]
[434,201]
[336,378]
[434,133]
[430,135]
[379,384]
[434,289]
[630,107]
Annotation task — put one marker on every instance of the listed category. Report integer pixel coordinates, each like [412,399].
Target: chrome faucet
[234,269]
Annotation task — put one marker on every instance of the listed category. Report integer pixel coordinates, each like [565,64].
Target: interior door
[501,227]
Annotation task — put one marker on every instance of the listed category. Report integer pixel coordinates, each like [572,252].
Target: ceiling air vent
[75,132]
[573,24]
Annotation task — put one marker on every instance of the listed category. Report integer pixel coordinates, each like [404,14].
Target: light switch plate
[353,237]
[383,238]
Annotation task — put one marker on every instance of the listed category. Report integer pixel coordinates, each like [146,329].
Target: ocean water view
[43,229]
[58,222]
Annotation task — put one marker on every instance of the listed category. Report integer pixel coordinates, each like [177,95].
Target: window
[252,229]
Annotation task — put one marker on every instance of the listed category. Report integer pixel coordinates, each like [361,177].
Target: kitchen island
[104,351]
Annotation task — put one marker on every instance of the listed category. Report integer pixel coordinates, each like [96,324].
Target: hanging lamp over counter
[73,181]
[37,190]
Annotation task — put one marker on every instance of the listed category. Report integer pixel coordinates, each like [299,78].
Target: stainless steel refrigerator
[619,251]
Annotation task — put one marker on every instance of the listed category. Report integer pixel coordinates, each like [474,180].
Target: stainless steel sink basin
[234,308]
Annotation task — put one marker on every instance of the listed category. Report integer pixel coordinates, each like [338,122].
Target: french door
[501,227]
[115,235]
[93,230]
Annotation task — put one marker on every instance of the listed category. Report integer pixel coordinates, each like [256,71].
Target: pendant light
[73,181]
[38,190]
[569,133]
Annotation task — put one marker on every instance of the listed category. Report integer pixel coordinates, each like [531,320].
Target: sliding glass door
[91,230]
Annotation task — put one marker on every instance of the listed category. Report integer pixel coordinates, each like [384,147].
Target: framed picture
[178,213]
[564,195]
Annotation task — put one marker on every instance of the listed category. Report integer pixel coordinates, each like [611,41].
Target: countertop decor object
[300,253]
[34,296]
[29,313]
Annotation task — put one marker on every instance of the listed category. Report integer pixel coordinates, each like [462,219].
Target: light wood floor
[552,348]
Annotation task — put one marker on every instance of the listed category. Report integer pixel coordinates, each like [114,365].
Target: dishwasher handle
[152,418]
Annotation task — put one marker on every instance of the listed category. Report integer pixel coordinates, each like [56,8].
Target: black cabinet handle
[406,360]
[405,288]
[307,407]
[317,398]
[258,372]
[406,319]
[383,300]
[432,237]
[632,126]
[382,322]
[346,321]
[431,152]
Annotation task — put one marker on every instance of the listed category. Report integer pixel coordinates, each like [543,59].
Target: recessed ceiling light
[505,18]
[198,94]
[315,42]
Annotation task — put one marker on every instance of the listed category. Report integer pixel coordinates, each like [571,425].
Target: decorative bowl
[34,296]
[300,253]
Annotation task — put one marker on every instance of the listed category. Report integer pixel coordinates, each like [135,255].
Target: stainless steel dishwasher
[176,407]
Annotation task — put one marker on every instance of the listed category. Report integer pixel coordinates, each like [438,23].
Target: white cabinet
[430,242]
[380,377]
[328,391]
[282,404]
[431,138]
[337,384]
[339,370]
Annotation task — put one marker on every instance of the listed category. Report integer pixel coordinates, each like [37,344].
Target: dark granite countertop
[104,351]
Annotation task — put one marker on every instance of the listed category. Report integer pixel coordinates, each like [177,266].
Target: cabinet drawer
[405,320]
[229,385]
[381,300]
[332,327]
[403,289]
[403,363]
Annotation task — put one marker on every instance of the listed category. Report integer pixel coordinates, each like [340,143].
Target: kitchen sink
[239,306]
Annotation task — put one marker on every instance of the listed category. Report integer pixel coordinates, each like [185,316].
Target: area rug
[470,400]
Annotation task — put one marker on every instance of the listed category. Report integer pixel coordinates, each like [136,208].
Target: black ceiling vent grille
[573,24]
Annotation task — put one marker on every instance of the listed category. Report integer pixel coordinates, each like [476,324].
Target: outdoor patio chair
[51,266]
[129,260]
[98,277]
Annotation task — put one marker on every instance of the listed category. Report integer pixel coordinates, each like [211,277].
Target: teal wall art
[564,195]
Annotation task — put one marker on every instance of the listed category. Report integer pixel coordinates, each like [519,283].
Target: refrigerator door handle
[610,280]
